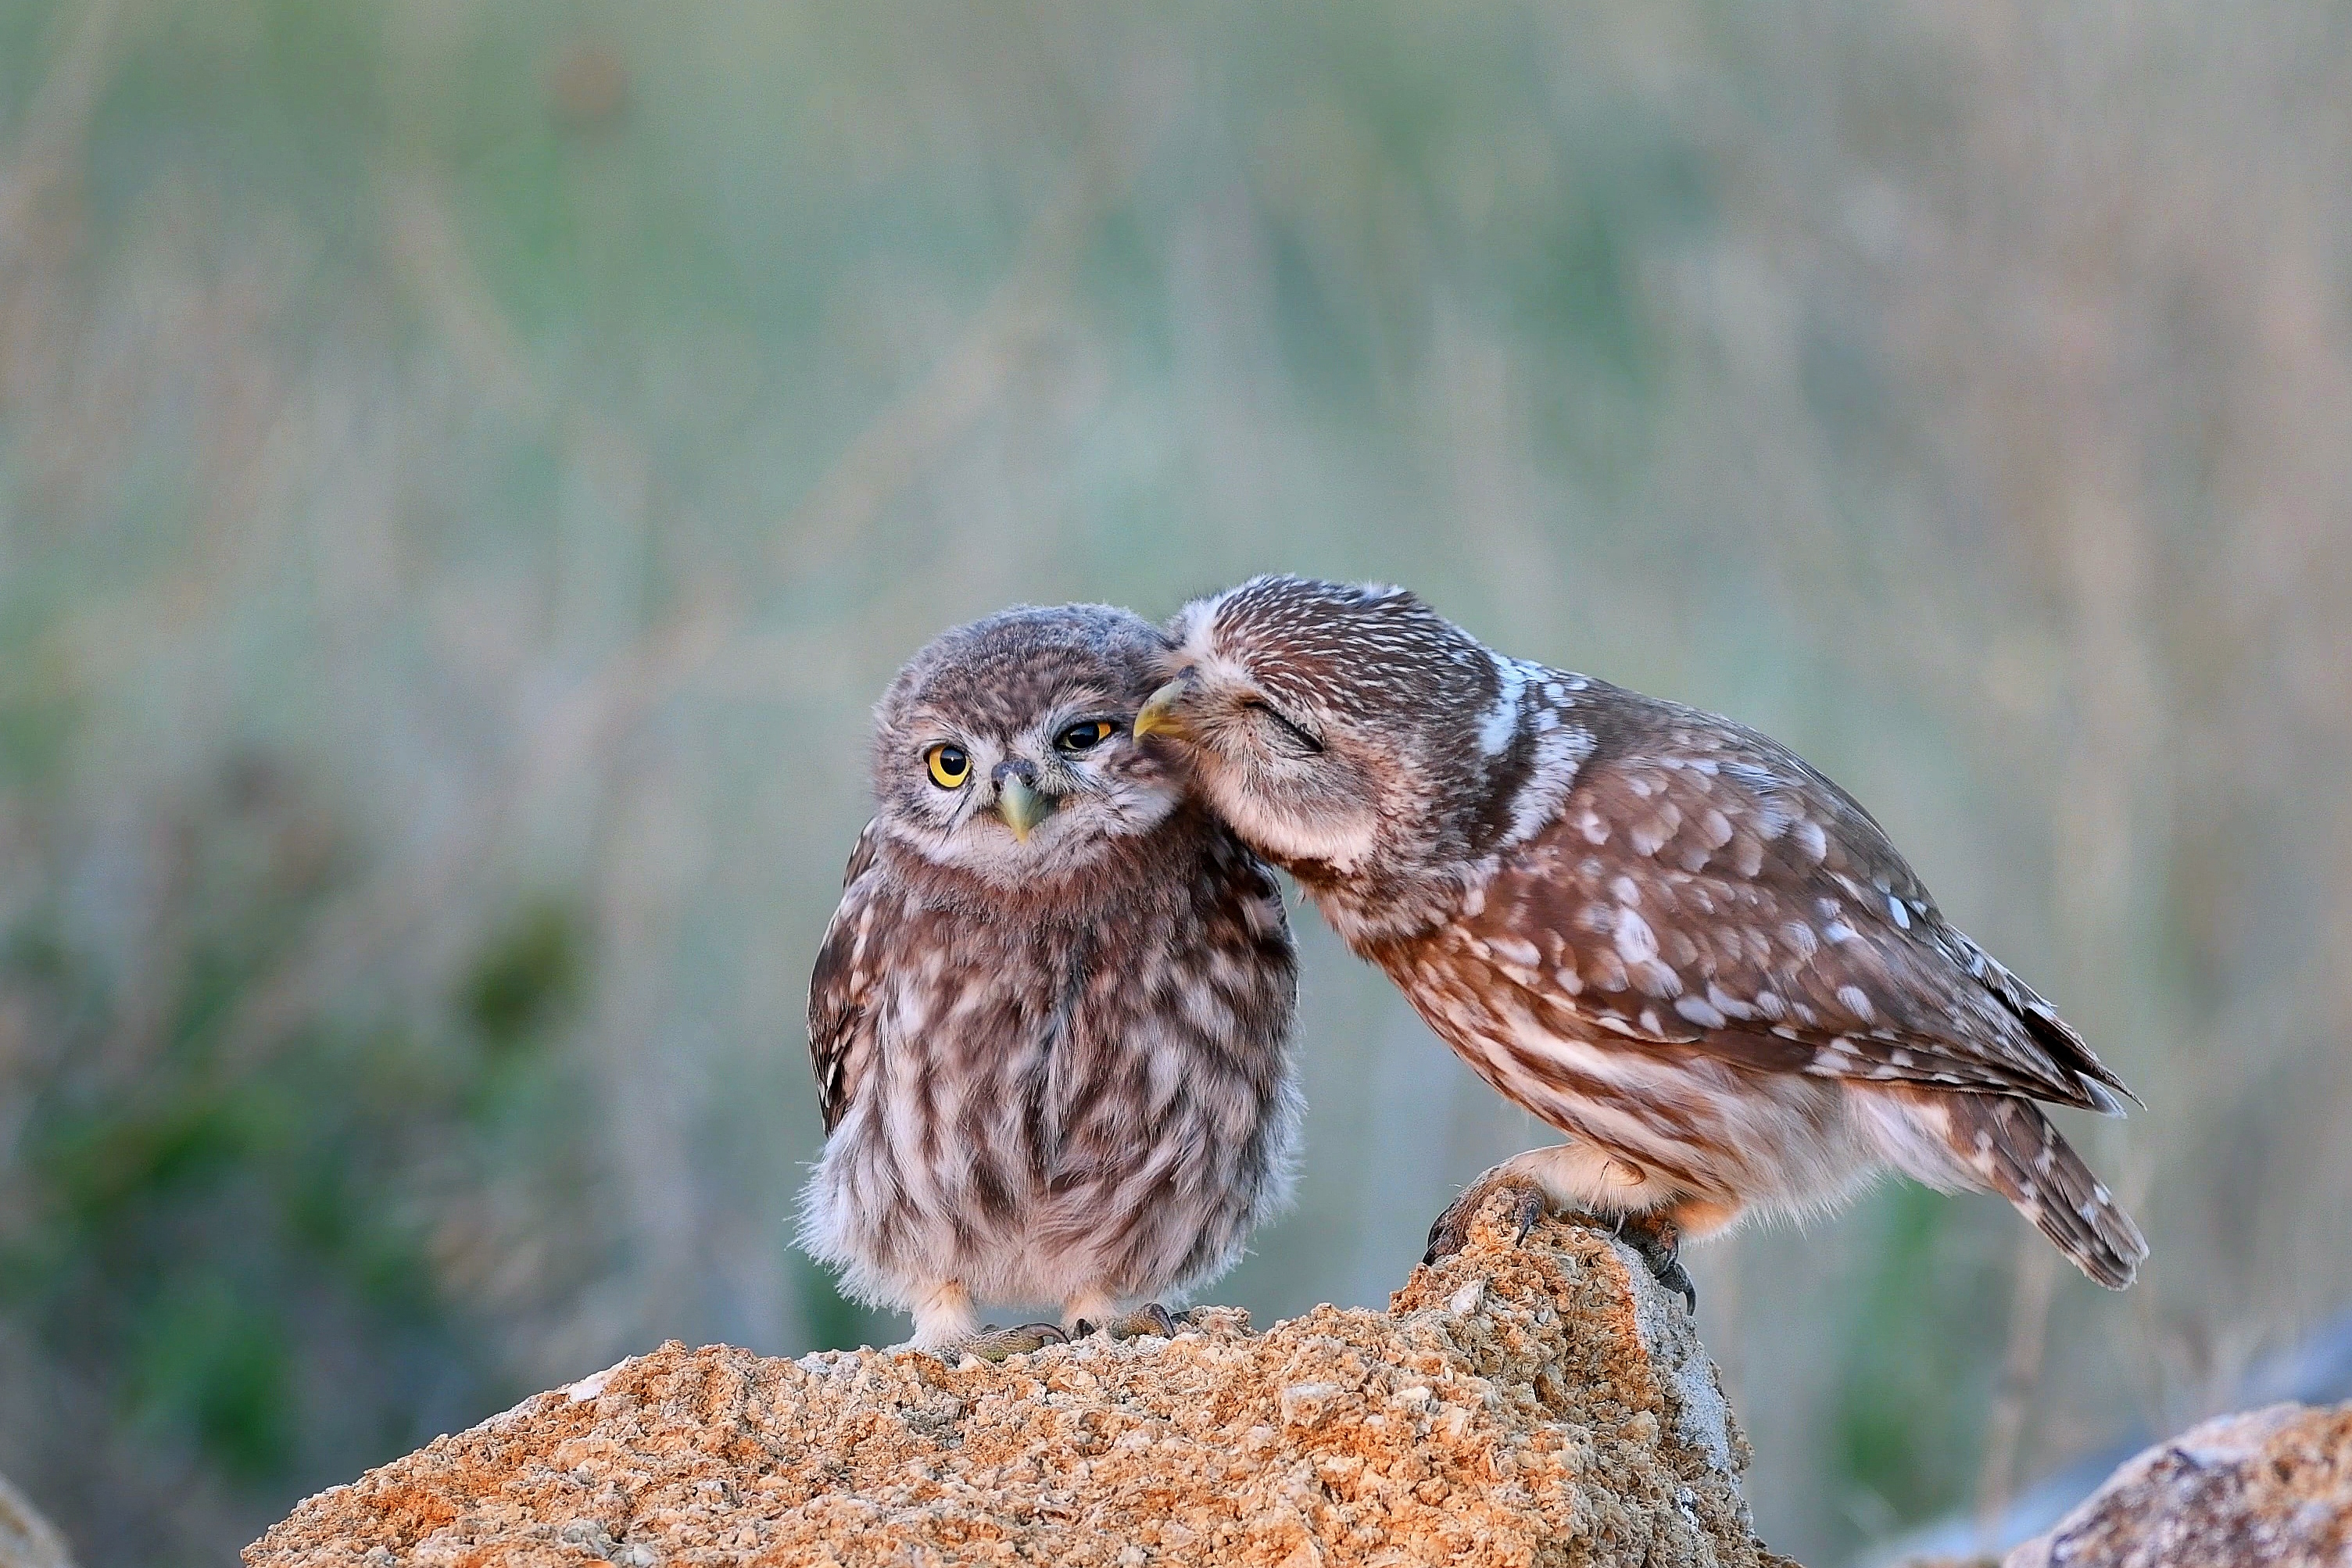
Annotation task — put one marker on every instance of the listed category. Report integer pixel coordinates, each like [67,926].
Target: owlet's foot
[992,1344]
[1149,1319]
[1653,1235]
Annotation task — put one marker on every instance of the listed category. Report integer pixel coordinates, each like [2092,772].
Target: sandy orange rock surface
[1544,1402]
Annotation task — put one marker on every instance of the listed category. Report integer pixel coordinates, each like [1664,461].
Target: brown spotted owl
[1660,932]
[1050,1021]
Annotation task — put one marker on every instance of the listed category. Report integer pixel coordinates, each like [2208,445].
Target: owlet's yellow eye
[949,763]
[1086,734]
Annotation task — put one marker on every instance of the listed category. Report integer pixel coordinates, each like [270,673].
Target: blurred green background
[465,470]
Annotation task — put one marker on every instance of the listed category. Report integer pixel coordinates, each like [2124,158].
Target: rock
[2269,1488]
[26,1540]
[1537,1404]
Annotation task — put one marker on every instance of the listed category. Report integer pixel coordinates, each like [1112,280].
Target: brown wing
[838,1026]
[1702,886]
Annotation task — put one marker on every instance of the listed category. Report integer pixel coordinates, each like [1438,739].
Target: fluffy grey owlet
[1050,1019]
[1660,932]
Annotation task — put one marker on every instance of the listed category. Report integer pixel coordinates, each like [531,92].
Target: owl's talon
[995,1344]
[1659,1241]
[1674,1277]
[1451,1232]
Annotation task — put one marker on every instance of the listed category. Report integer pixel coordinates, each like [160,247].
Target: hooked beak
[1023,808]
[1163,712]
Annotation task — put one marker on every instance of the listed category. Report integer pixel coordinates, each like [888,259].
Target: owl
[1660,932]
[1050,1019]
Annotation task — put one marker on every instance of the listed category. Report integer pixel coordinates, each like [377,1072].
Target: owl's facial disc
[1034,800]
[1019,801]
[1029,713]
[1290,780]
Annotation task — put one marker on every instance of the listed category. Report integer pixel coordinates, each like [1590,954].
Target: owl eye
[1085,735]
[949,764]
[1299,737]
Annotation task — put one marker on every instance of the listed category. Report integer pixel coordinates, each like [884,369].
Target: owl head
[1331,724]
[1005,748]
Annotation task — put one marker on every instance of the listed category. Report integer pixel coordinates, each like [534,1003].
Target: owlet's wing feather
[839,1037]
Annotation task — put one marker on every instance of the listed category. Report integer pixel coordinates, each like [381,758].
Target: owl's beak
[1163,712]
[1023,808]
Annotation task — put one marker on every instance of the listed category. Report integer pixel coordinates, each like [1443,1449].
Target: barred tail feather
[2015,1151]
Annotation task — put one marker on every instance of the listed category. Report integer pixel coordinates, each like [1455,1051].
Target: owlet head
[1005,747]
[1323,721]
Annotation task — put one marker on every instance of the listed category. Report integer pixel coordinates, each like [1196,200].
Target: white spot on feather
[1500,723]
[1724,1002]
[1512,950]
[1700,1012]
[1656,979]
[1636,942]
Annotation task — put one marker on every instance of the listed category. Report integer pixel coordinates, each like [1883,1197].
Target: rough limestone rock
[1544,1402]
[2270,1489]
[26,1540]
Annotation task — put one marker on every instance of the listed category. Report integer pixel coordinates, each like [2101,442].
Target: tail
[2013,1149]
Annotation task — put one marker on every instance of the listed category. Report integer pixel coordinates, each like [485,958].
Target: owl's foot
[1452,1231]
[992,1344]
[1150,1319]
[1659,1241]
[1654,1236]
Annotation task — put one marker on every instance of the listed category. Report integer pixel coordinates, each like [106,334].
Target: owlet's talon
[994,1344]
[1150,1319]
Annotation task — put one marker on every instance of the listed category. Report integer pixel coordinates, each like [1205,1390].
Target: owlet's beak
[1163,713]
[1023,808]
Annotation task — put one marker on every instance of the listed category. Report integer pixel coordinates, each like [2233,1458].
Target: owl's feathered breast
[1053,1019]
